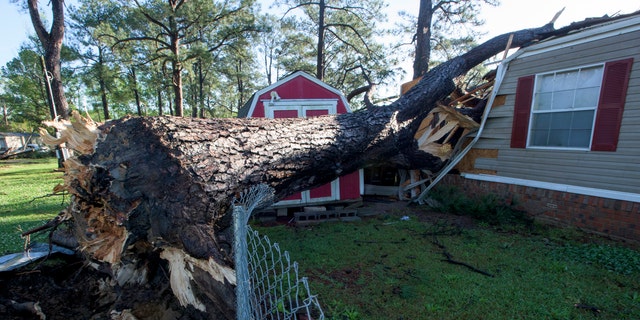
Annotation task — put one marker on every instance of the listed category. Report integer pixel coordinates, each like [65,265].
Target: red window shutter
[611,105]
[522,111]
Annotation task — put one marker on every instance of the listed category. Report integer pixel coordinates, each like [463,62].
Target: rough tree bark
[52,43]
[156,191]
[423,38]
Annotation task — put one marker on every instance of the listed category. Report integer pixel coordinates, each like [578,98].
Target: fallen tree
[153,195]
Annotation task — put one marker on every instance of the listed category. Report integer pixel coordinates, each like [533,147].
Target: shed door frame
[301,107]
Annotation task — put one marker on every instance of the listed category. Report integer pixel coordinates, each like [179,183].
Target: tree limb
[449,259]
[38,25]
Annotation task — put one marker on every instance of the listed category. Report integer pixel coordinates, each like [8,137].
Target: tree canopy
[205,58]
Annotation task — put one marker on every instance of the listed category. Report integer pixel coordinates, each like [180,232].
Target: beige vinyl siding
[617,171]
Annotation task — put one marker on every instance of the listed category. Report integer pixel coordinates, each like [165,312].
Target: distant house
[17,140]
[562,139]
[301,95]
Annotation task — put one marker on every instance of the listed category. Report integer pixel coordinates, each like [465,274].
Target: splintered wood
[435,133]
[79,135]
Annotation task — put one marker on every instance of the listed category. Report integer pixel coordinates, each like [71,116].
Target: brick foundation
[615,218]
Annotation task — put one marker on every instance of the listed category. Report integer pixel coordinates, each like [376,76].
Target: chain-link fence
[268,283]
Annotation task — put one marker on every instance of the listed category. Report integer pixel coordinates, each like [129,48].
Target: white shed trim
[254,101]
[301,105]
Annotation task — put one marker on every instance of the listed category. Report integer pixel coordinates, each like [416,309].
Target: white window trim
[533,102]
[306,196]
[300,105]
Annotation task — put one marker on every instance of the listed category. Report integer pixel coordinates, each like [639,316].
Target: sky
[511,15]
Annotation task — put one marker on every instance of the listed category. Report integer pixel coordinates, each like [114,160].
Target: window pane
[539,138]
[541,121]
[560,120]
[587,98]
[545,83]
[540,129]
[558,138]
[563,100]
[582,120]
[579,138]
[543,101]
[591,77]
[565,81]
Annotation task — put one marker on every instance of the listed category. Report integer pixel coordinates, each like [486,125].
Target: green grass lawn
[24,204]
[384,268]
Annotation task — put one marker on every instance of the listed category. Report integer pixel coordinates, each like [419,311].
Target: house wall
[610,172]
[619,170]
[15,141]
[618,219]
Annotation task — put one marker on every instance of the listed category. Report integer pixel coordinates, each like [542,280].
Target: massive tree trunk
[161,187]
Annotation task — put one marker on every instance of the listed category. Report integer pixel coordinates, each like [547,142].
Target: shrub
[487,208]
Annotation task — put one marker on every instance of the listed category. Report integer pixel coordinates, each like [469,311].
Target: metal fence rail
[268,283]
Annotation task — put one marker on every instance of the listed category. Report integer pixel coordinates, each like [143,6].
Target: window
[572,109]
[564,108]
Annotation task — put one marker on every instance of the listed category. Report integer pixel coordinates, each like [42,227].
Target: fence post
[258,196]
[268,285]
[243,306]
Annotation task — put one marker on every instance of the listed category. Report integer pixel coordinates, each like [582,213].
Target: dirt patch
[67,288]
[62,289]
[420,212]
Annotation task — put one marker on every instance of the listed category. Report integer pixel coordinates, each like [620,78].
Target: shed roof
[250,105]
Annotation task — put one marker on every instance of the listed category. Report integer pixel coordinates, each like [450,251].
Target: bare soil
[67,288]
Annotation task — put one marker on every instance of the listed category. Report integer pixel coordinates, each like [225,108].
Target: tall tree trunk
[52,43]
[136,93]
[194,110]
[159,102]
[320,48]
[177,88]
[195,87]
[423,39]
[171,109]
[5,115]
[103,86]
[200,88]
[268,63]
[160,188]
[239,85]
[105,102]
[176,65]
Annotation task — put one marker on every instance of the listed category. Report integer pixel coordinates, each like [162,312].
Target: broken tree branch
[449,259]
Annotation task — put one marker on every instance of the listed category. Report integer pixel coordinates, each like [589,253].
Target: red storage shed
[302,95]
